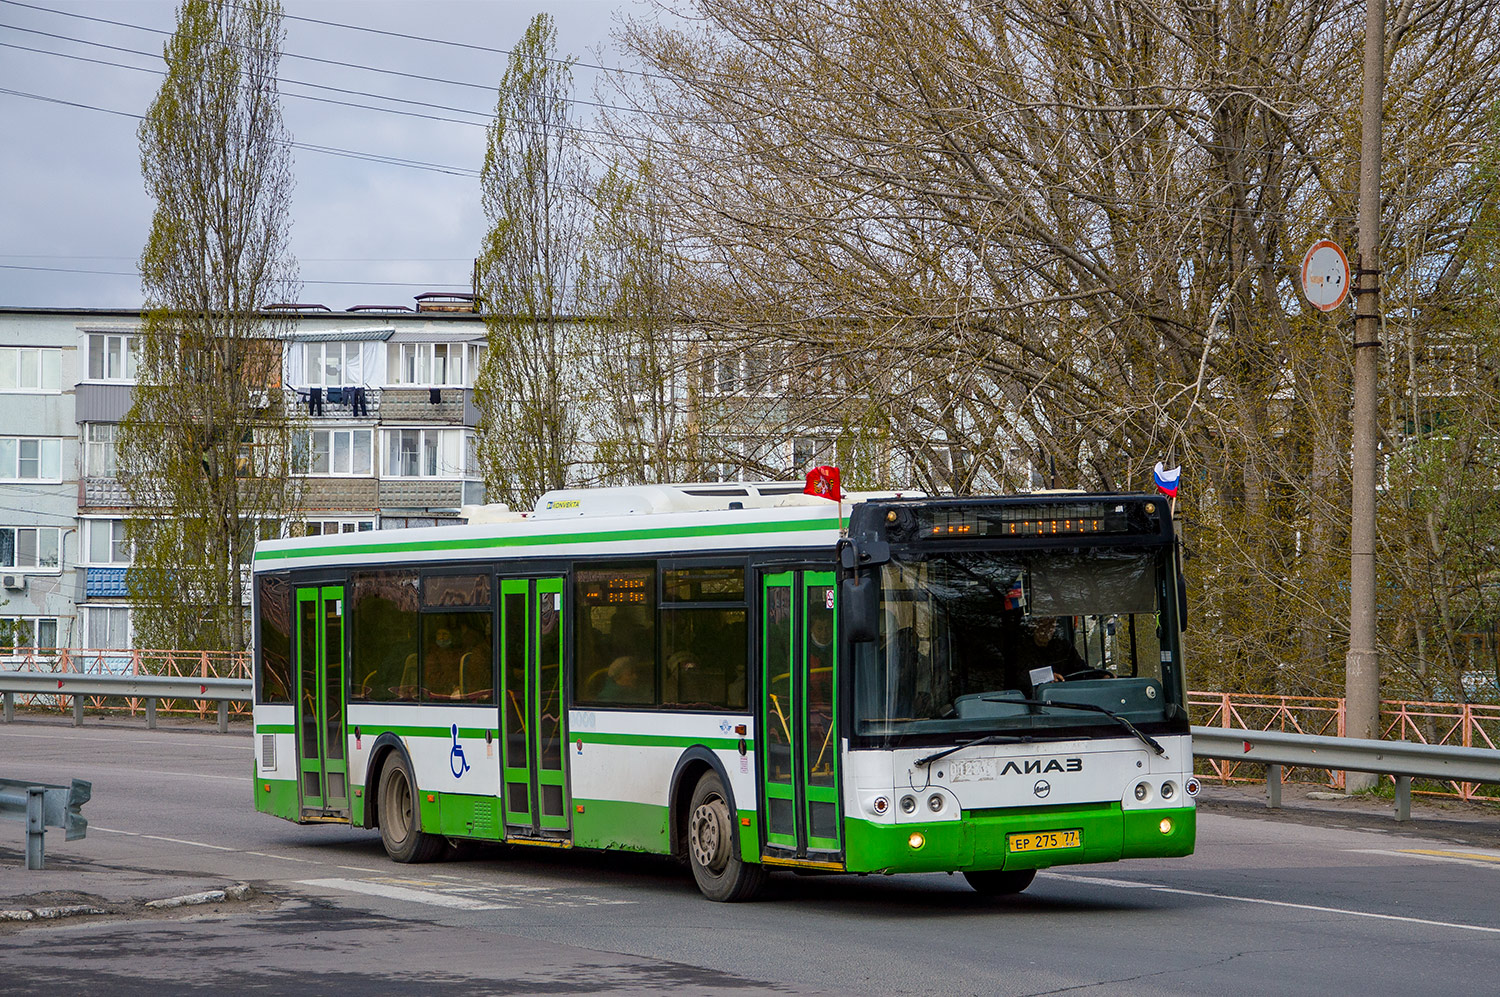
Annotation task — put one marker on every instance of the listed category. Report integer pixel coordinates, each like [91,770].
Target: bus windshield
[967,638]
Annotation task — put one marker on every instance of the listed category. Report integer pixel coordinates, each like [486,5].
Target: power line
[487,87]
[330,283]
[596,134]
[374,157]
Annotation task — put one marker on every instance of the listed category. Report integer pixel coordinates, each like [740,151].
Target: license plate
[1037,841]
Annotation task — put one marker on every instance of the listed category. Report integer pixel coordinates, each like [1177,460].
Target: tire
[997,883]
[400,829]
[719,871]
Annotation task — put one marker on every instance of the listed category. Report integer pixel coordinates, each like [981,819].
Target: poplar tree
[204,450]
[533,187]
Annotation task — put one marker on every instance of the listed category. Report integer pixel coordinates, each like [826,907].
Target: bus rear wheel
[998,883]
[400,824]
[720,873]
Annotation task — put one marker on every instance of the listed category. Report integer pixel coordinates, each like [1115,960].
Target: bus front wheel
[400,823]
[997,883]
[720,873]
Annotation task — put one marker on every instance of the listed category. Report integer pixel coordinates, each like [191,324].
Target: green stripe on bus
[490,543]
[275,729]
[657,740]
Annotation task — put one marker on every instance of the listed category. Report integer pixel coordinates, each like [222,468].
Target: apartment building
[387,443]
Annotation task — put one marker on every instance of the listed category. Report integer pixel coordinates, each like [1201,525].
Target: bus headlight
[1168,790]
[909,804]
[1142,792]
[935,803]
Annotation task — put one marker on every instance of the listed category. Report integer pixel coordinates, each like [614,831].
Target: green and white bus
[741,675]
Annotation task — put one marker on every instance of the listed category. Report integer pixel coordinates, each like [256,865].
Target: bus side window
[383,659]
[615,663]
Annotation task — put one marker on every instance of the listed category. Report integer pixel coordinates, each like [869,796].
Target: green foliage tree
[534,189]
[204,450]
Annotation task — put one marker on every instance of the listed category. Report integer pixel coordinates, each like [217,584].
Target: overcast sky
[74,214]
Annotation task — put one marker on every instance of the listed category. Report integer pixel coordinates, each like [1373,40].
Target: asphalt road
[1266,906]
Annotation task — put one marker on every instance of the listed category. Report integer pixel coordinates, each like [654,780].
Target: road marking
[393,892]
[1479,860]
[158,837]
[223,848]
[1124,884]
[1331,910]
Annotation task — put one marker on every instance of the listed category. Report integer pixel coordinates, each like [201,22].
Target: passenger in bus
[625,681]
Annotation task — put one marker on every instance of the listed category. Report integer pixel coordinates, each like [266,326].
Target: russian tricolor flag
[1166,481]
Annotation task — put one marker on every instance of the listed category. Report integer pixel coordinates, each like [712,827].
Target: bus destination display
[1024,521]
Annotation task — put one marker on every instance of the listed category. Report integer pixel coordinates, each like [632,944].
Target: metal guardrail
[147,687]
[42,806]
[1401,759]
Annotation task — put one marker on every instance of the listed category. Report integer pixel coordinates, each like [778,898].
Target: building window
[332,451]
[30,459]
[331,527]
[27,633]
[333,365]
[425,453]
[107,627]
[29,547]
[99,450]
[30,369]
[106,541]
[433,364]
[113,357]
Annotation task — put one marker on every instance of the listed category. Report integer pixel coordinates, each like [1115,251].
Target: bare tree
[1068,236]
[204,450]
[534,188]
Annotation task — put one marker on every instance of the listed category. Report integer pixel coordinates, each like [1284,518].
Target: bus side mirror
[854,555]
[860,598]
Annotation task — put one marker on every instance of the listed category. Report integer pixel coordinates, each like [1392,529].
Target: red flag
[824,483]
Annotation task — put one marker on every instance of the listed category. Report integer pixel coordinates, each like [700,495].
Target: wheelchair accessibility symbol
[456,760]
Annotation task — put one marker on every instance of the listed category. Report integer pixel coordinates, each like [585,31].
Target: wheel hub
[708,835]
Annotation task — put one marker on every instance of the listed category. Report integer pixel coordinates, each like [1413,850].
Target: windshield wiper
[991,739]
[1144,738]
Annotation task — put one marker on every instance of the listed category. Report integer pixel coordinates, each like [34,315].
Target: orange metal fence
[104,661]
[1468,724]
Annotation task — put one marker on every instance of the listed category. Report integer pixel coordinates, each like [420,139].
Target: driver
[1044,647]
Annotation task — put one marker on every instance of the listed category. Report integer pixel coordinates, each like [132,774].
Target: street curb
[238,891]
[47,913]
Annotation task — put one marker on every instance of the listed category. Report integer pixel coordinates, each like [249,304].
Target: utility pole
[1362,664]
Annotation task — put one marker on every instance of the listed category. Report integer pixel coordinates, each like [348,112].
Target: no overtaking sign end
[1325,275]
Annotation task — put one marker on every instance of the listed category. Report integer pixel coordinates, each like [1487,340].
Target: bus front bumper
[999,839]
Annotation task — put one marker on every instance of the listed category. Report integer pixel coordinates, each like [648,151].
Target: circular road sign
[1325,275]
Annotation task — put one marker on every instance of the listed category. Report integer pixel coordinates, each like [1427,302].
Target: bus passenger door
[533,780]
[322,750]
[799,739]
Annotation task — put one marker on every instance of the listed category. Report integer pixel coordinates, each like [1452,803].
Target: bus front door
[533,779]
[798,739]
[322,749]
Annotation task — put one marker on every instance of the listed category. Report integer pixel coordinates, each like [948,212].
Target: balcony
[429,493]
